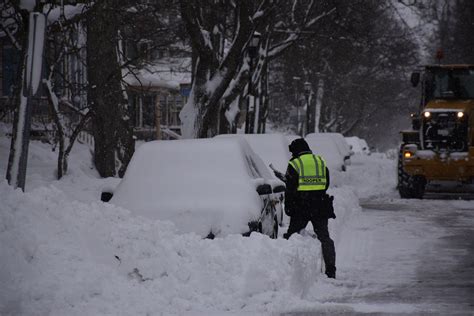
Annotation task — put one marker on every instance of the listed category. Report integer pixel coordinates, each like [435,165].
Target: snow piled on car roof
[359,145]
[272,148]
[200,185]
[338,139]
[326,147]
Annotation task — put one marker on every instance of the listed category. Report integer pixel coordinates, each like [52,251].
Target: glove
[279,175]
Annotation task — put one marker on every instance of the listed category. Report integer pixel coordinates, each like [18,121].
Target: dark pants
[320,225]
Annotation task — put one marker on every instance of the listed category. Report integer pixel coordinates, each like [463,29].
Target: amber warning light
[408,154]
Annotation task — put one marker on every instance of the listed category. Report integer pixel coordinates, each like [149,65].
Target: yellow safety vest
[312,172]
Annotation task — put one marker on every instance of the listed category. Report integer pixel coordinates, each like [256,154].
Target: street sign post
[32,78]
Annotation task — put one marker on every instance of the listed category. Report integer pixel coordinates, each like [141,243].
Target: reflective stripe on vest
[311,172]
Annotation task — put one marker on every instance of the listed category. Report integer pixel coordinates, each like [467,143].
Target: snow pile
[373,176]
[64,257]
[65,253]
[82,181]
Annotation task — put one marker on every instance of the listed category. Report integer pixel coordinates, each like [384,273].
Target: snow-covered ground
[63,252]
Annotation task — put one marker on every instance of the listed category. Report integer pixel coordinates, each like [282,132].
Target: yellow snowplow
[440,147]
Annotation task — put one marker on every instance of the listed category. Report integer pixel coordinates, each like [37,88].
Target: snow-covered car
[358,145]
[326,147]
[341,143]
[212,187]
[273,149]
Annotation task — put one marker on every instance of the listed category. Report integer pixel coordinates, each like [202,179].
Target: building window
[130,50]
[149,110]
[164,109]
[144,49]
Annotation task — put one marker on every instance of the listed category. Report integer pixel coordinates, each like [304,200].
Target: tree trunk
[212,73]
[225,126]
[111,125]
[319,104]
[200,114]
[264,100]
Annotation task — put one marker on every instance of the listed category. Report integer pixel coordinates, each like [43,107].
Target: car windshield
[451,83]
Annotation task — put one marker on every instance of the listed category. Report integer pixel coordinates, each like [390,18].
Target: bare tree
[112,29]
[65,91]
[61,44]
[463,29]
[220,33]
[356,62]
[112,128]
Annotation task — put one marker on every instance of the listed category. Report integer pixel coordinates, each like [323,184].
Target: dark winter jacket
[301,202]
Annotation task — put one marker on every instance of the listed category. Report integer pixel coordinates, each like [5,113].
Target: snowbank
[373,176]
[63,257]
[65,253]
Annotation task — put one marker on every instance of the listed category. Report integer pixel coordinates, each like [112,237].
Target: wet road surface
[444,274]
[409,257]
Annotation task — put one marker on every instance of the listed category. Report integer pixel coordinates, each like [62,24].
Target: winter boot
[331,272]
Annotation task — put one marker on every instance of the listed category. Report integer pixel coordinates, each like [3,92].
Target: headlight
[427,114]
[409,151]
[460,114]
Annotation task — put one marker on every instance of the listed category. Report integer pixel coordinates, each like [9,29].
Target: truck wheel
[409,187]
